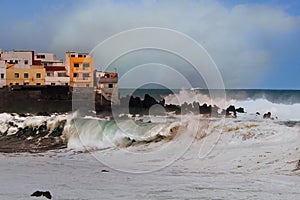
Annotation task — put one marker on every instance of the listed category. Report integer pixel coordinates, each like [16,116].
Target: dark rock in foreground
[34,139]
[46,194]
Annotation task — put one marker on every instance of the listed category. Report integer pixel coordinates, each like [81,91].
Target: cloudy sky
[255,44]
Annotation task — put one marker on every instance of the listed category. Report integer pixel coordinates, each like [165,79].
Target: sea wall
[49,99]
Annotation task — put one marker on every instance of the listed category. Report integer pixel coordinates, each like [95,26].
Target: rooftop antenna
[115,70]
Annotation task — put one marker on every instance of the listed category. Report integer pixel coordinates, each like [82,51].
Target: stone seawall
[50,99]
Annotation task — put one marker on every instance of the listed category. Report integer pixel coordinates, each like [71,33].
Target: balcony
[108,80]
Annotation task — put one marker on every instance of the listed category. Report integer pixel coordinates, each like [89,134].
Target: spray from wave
[283,105]
[42,133]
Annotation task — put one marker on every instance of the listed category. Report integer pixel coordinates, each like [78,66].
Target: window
[26,62]
[38,75]
[48,73]
[79,55]
[11,61]
[66,83]
[76,64]
[26,83]
[72,56]
[38,83]
[110,85]
[85,76]
[87,85]
[16,62]
[16,75]
[40,56]
[61,74]
[85,66]
[10,83]
[2,76]
[25,75]
[17,83]
[52,83]
[75,75]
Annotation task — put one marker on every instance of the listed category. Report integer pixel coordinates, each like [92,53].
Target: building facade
[80,69]
[21,59]
[22,68]
[56,73]
[35,75]
[2,73]
[107,85]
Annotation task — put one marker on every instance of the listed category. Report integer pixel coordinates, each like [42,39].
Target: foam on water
[284,110]
[253,157]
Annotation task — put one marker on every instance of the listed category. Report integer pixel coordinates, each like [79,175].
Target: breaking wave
[28,133]
[102,134]
[284,105]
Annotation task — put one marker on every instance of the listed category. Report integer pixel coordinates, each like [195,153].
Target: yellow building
[35,75]
[80,68]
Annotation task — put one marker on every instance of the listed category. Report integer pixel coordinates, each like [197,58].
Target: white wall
[20,56]
[47,56]
[2,71]
[57,80]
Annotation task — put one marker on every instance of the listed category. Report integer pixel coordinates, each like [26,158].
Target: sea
[167,156]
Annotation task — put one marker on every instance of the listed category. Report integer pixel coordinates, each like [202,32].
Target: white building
[56,73]
[20,59]
[2,73]
[107,86]
[48,59]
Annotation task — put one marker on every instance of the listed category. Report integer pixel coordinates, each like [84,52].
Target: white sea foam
[262,105]
[251,158]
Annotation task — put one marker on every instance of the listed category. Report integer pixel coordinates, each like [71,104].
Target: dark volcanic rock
[230,111]
[138,106]
[46,194]
[37,194]
[267,115]
[240,110]
[173,108]
[57,132]
[43,114]
[34,139]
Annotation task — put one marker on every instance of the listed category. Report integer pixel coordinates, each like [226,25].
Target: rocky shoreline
[17,135]
[32,138]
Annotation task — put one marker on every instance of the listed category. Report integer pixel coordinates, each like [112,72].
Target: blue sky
[255,44]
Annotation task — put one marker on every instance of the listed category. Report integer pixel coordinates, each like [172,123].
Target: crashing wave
[32,133]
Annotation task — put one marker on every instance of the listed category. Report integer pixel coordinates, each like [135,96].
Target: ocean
[167,156]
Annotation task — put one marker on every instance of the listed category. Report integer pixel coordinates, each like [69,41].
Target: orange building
[35,75]
[80,68]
